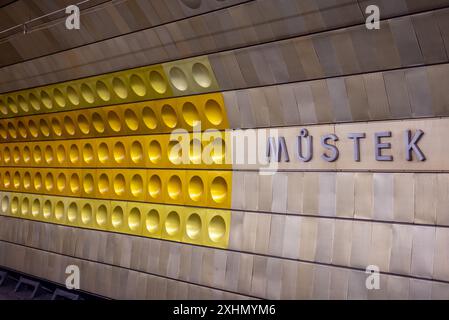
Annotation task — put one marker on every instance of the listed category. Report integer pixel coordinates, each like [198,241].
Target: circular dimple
[59,98]
[16,155]
[149,118]
[26,154]
[7,179]
[103,183]
[59,211]
[74,183]
[214,113]
[136,152]
[69,126]
[174,187]
[119,184]
[152,221]
[73,96]
[169,116]
[46,209]
[174,152]
[5,203]
[44,128]
[155,152]
[86,214]
[190,114]
[172,223]
[16,180]
[119,152]
[201,75]
[74,154]
[12,130]
[61,182]
[88,153]
[119,88]
[103,91]
[114,121]
[3,108]
[46,100]
[48,154]
[7,155]
[36,207]
[27,180]
[33,129]
[154,186]
[103,152]
[3,132]
[72,212]
[117,217]
[136,185]
[87,93]
[23,104]
[88,183]
[196,188]
[195,151]
[49,182]
[158,82]
[15,205]
[56,127]
[178,79]
[216,228]
[131,120]
[192,4]
[193,226]
[97,122]
[34,101]
[37,154]
[83,124]
[137,85]
[37,181]
[60,154]
[12,106]
[134,218]
[101,215]
[219,189]
[25,206]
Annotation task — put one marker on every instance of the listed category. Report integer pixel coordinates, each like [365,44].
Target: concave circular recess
[172,223]
[131,120]
[219,189]
[193,226]
[174,187]
[216,228]
[158,82]
[137,85]
[149,118]
[154,186]
[119,88]
[103,91]
[178,79]
[117,217]
[213,111]
[196,188]
[152,221]
[201,75]
[134,219]
[86,214]
[101,215]
[119,184]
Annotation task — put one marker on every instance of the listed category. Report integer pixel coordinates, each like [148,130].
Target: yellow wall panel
[208,227]
[148,117]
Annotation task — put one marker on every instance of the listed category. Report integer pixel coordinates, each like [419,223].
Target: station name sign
[278,149]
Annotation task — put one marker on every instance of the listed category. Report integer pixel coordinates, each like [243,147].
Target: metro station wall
[86,175]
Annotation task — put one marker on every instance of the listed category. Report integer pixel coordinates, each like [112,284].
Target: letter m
[276,150]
